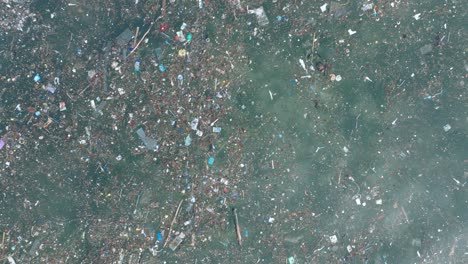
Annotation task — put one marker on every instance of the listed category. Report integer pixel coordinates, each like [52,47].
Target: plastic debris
[136,67]
[323,7]
[188,140]
[334,239]
[150,143]
[367,6]
[182,53]
[194,124]
[261,16]
[62,106]
[426,49]
[351,32]
[210,161]
[37,77]
[124,37]
[176,242]
[447,127]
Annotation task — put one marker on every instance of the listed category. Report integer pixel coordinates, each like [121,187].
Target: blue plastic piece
[37,77]
[210,161]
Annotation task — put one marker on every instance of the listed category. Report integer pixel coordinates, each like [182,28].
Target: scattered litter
[417,16]
[447,127]
[334,239]
[351,32]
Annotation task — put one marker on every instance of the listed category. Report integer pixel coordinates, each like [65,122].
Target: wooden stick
[136,37]
[236,224]
[3,244]
[163,9]
[172,223]
[138,44]
[134,48]
[313,47]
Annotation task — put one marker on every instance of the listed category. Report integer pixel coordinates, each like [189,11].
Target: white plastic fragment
[11,260]
[303,65]
[324,7]
[345,149]
[366,7]
[417,16]
[349,248]
[447,127]
[379,202]
[338,78]
[351,32]
[194,124]
[358,201]
[261,16]
[334,239]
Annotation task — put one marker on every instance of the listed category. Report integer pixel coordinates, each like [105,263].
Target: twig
[172,223]
[69,42]
[313,47]
[86,88]
[404,213]
[236,224]
[136,36]
[152,23]
[3,244]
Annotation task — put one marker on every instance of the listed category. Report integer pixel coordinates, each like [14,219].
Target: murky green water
[364,159]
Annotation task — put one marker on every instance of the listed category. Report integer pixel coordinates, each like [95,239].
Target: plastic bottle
[137,66]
